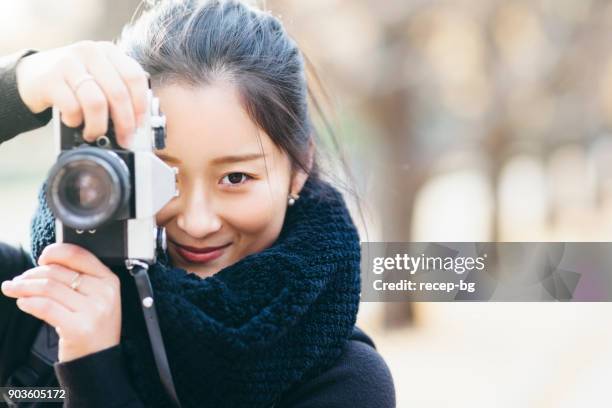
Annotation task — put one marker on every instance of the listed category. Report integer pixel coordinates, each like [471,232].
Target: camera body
[105,197]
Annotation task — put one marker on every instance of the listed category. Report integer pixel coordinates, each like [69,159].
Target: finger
[87,283]
[49,288]
[91,98]
[134,77]
[90,286]
[76,258]
[116,93]
[68,105]
[43,308]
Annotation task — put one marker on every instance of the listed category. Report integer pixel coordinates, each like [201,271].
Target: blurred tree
[390,105]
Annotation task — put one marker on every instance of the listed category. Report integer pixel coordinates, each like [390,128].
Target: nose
[197,216]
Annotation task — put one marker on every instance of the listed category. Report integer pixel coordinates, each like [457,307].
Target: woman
[258,292]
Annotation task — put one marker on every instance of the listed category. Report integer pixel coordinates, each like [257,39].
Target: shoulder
[360,378]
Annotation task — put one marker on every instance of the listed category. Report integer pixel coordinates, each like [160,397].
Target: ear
[300,176]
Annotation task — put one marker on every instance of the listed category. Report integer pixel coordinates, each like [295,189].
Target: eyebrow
[220,160]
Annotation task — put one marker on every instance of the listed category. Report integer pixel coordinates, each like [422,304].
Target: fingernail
[141,119]
[7,285]
[18,277]
[127,141]
[20,303]
[127,138]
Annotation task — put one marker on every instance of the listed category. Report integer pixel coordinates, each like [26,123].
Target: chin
[201,269]
[204,272]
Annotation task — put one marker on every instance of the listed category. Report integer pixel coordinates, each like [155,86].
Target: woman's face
[233,181]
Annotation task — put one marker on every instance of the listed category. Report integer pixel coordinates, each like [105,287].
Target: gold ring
[76,281]
[81,81]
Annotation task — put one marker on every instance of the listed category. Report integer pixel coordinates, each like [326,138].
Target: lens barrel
[87,187]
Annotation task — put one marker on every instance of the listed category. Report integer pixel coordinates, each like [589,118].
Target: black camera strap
[37,371]
[139,270]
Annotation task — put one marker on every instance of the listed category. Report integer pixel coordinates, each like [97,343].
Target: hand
[88,319]
[54,78]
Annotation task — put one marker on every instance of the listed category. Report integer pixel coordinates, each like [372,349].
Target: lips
[200,255]
[201,250]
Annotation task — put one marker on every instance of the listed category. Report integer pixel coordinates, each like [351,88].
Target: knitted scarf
[247,334]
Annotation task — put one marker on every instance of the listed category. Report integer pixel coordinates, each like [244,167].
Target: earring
[292,199]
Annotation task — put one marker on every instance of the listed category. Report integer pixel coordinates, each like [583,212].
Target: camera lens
[87,186]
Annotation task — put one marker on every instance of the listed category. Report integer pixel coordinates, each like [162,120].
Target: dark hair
[200,42]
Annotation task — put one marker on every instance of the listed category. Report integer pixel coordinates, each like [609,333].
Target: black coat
[360,377]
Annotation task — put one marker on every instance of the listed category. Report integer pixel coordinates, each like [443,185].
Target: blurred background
[461,120]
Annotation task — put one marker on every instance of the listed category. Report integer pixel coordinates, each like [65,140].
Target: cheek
[257,212]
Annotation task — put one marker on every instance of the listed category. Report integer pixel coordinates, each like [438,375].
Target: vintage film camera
[104,197]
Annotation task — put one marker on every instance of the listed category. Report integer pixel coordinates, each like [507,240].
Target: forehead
[209,121]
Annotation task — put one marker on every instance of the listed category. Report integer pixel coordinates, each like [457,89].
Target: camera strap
[37,371]
[139,270]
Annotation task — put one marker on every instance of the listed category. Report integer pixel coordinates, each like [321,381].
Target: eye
[235,179]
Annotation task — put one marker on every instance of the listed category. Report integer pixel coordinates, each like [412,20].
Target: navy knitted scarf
[246,335]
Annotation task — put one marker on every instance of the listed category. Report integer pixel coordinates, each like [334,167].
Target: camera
[105,197]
